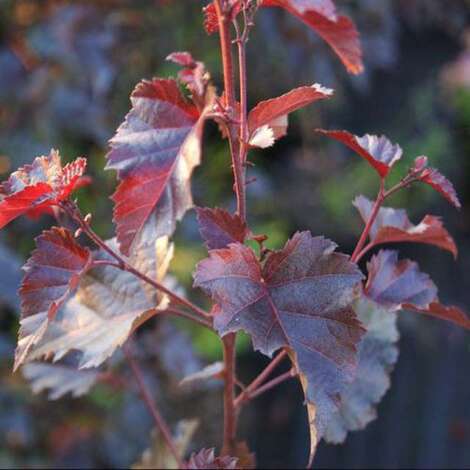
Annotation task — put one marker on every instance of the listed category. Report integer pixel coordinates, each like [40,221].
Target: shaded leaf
[392,282]
[267,121]
[34,188]
[378,354]
[338,31]
[436,180]
[300,299]
[219,228]
[378,151]
[159,456]
[99,318]
[443,312]
[206,459]
[52,272]
[59,379]
[154,151]
[392,225]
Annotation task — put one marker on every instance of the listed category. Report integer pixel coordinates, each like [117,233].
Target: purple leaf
[392,282]
[300,299]
[219,228]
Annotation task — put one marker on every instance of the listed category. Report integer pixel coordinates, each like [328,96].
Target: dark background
[66,71]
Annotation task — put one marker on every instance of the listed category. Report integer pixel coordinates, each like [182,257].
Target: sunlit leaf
[100,317]
[378,151]
[436,180]
[51,274]
[268,120]
[34,188]
[154,151]
[392,225]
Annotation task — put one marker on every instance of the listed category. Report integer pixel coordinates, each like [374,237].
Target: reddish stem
[247,393]
[360,249]
[230,415]
[273,383]
[226,49]
[158,418]
[370,222]
[74,212]
[172,311]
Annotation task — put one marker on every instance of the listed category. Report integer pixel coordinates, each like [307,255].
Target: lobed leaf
[154,151]
[267,121]
[392,282]
[377,356]
[58,379]
[299,299]
[34,188]
[392,225]
[219,228]
[100,317]
[379,152]
[338,31]
[436,180]
[51,274]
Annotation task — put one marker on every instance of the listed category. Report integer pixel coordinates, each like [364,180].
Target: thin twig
[171,311]
[158,418]
[273,383]
[375,210]
[260,379]
[72,209]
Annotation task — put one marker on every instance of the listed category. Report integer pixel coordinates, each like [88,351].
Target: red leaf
[393,225]
[436,180]
[378,151]
[300,299]
[185,59]
[326,8]
[34,188]
[52,272]
[443,312]
[338,31]
[392,283]
[154,151]
[23,201]
[219,228]
[206,459]
[270,117]
[193,75]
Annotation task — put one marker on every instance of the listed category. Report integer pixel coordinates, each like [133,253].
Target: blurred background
[66,71]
